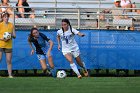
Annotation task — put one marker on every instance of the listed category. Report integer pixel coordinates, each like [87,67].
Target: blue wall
[100,49]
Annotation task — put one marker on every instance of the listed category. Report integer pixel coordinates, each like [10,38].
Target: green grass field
[70,85]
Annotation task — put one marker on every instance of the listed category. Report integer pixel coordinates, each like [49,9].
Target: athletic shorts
[25,15]
[42,57]
[6,50]
[73,53]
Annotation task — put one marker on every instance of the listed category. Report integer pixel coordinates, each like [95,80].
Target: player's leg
[76,54]
[8,53]
[68,56]
[42,60]
[82,65]
[0,54]
[51,64]
[50,61]
[43,65]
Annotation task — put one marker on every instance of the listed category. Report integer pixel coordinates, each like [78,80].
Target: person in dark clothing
[43,46]
[21,11]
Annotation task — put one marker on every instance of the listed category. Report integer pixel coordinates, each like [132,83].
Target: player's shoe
[53,72]
[85,72]
[11,77]
[79,77]
[48,72]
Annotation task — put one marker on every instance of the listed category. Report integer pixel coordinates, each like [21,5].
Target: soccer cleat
[11,77]
[85,72]
[79,77]
[48,72]
[53,72]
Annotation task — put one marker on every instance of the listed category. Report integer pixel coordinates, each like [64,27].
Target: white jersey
[124,2]
[68,41]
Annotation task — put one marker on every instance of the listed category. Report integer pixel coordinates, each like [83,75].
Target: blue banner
[100,49]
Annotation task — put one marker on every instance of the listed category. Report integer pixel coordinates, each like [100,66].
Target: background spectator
[128,4]
[24,3]
[6,7]
[134,6]
[117,12]
[125,3]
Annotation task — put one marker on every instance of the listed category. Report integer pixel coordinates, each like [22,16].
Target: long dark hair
[68,22]
[31,34]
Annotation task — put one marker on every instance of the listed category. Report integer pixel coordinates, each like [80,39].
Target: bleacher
[80,15]
[70,7]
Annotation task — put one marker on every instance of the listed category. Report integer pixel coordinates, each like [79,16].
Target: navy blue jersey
[40,43]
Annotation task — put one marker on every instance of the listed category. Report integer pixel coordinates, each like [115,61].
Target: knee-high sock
[84,66]
[74,68]
[53,71]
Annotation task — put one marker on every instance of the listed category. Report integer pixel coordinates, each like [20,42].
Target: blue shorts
[42,57]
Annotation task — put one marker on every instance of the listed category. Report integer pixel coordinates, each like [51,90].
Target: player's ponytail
[68,22]
[63,30]
[71,29]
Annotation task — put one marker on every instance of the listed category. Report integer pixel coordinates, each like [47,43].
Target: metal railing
[80,18]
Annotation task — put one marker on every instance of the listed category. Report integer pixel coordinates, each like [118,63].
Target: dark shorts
[25,15]
[5,50]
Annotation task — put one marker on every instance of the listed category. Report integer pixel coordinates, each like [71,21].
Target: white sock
[74,68]
[9,67]
[84,66]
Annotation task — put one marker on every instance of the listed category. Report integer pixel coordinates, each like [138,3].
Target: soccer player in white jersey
[70,47]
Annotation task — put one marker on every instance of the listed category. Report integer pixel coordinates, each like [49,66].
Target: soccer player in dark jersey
[43,49]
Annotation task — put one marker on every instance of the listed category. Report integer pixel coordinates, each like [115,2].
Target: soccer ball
[61,74]
[7,35]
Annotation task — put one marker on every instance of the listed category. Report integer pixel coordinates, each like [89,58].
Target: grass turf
[70,85]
